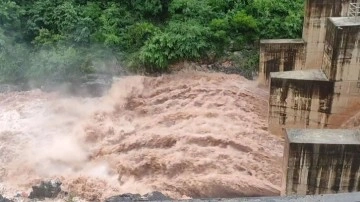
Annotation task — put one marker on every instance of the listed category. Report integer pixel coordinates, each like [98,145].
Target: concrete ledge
[324,136]
[345,21]
[279,41]
[344,197]
[309,75]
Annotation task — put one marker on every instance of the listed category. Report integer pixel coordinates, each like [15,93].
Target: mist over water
[188,134]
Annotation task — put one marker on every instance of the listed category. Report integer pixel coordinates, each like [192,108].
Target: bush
[149,34]
[182,10]
[278,18]
[136,35]
[179,41]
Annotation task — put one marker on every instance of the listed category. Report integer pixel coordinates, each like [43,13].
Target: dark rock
[156,196]
[2,199]
[153,196]
[124,198]
[48,189]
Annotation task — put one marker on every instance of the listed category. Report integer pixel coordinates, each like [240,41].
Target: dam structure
[314,87]
[315,81]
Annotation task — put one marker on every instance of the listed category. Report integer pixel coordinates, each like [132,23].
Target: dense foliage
[62,39]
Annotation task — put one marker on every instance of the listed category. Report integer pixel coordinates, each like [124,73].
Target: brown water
[187,135]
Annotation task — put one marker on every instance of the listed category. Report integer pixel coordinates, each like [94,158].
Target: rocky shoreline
[52,190]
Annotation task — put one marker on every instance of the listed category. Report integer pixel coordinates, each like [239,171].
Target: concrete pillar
[314,28]
[280,55]
[342,49]
[321,161]
[299,99]
[341,64]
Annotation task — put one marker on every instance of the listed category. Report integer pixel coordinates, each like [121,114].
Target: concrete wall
[341,63]
[311,104]
[342,49]
[322,168]
[280,55]
[314,27]
[343,197]
[299,104]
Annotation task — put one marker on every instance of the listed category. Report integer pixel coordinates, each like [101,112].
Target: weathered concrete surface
[321,161]
[323,136]
[341,60]
[344,197]
[280,55]
[310,102]
[341,64]
[314,27]
[313,75]
[318,161]
[304,103]
[306,99]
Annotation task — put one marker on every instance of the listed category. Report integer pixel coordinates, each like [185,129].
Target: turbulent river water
[189,134]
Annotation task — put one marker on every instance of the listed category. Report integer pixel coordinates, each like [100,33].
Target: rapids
[190,134]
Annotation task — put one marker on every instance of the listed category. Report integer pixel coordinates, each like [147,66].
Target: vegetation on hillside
[64,39]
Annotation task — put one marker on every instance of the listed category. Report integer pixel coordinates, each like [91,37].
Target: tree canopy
[46,39]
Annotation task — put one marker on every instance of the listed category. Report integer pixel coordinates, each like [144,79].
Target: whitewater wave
[189,134]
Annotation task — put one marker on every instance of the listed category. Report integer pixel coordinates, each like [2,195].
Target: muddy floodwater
[188,134]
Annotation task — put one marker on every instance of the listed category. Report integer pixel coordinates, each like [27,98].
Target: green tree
[10,18]
[278,18]
[179,41]
[57,38]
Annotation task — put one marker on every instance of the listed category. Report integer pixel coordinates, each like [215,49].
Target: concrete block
[280,55]
[321,161]
[314,27]
[342,49]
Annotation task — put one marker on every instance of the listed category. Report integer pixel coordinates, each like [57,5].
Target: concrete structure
[321,161]
[314,27]
[341,64]
[311,48]
[341,58]
[343,197]
[322,98]
[280,55]
[322,91]
[300,99]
